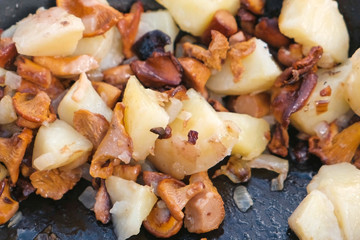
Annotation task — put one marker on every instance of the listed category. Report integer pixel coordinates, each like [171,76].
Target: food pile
[144,103]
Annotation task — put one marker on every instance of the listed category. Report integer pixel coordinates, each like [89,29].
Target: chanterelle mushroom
[176,195]
[205,211]
[12,151]
[8,206]
[161,223]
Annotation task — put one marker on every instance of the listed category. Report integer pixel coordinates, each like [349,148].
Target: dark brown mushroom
[204,212]
[247,21]
[268,30]
[8,52]
[159,70]
[288,56]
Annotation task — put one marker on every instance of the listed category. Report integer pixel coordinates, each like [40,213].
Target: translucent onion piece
[15,219]
[12,80]
[275,164]
[87,198]
[242,198]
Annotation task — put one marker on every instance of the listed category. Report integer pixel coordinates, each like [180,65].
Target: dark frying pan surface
[267,219]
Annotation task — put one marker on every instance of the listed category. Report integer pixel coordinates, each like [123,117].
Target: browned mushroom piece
[96,16]
[115,147]
[236,170]
[159,70]
[68,66]
[102,204]
[268,30]
[196,74]
[91,125]
[128,172]
[176,195]
[247,21]
[215,54]
[222,21]
[237,52]
[7,52]
[118,76]
[257,105]
[12,151]
[289,56]
[8,206]
[255,6]
[55,89]
[160,223]
[107,92]
[279,143]
[217,105]
[152,179]
[336,147]
[205,211]
[178,92]
[128,27]
[34,108]
[22,122]
[56,182]
[237,37]
[33,72]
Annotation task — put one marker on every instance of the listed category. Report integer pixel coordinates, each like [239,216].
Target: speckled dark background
[267,219]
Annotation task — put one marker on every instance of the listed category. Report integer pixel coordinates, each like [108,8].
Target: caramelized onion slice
[96,17]
[272,163]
